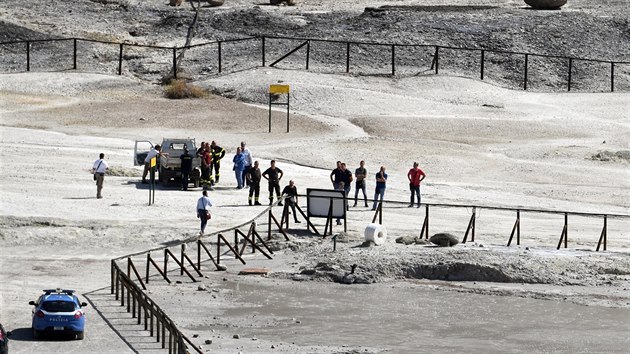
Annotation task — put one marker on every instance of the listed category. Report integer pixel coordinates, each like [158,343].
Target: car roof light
[58,291]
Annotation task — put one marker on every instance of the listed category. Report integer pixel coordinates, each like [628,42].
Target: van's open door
[140,151]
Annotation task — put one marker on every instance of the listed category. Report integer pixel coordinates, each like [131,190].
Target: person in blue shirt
[239,167]
[381,180]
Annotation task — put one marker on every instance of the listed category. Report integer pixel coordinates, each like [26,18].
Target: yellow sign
[153,162]
[278,89]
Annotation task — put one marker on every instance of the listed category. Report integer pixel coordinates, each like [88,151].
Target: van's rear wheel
[36,333]
[80,335]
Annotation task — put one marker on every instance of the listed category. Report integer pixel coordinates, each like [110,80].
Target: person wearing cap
[291,193]
[155,152]
[187,164]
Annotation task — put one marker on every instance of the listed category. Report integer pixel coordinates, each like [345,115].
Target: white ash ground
[52,212]
[479,144]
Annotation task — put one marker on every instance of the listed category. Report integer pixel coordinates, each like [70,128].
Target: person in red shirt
[415,176]
[206,161]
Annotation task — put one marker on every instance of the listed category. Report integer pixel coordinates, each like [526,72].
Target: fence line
[424,232]
[306,42]
[138,302]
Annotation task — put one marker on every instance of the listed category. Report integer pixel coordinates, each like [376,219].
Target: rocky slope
[582,29]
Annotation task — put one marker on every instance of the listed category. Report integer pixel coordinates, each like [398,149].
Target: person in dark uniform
[335,175]
[200,150]
[273,175]
[217,154]
[187,163]
[346,178]
[253,177]
[206,161]
[291,198]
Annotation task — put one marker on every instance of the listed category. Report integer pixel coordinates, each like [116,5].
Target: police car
[58,311]
[4,340]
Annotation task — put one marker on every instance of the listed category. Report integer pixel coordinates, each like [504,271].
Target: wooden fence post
[483,62]
[120,58]
[175,63]
[74,54]
[347,57]
[28,56]
[525,75]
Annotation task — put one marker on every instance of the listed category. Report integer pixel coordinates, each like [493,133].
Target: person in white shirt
[99,168]
[203,210]
[249,161]
[154,152]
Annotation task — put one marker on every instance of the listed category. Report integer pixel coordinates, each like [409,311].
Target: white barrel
[376,233]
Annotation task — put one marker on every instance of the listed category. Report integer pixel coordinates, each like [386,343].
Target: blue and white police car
[58,311]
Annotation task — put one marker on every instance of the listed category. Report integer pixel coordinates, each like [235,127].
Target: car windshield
[58,306]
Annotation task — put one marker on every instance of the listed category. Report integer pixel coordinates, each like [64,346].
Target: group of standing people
[248,173]
[253,177]
[243,161]
[210,155]
[341,179]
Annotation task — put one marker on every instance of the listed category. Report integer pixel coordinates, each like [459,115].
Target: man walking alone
[203,211]
[99,168]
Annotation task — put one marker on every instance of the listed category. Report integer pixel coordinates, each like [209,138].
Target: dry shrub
[177,89]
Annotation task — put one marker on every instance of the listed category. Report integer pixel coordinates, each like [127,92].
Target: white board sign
[318,203]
